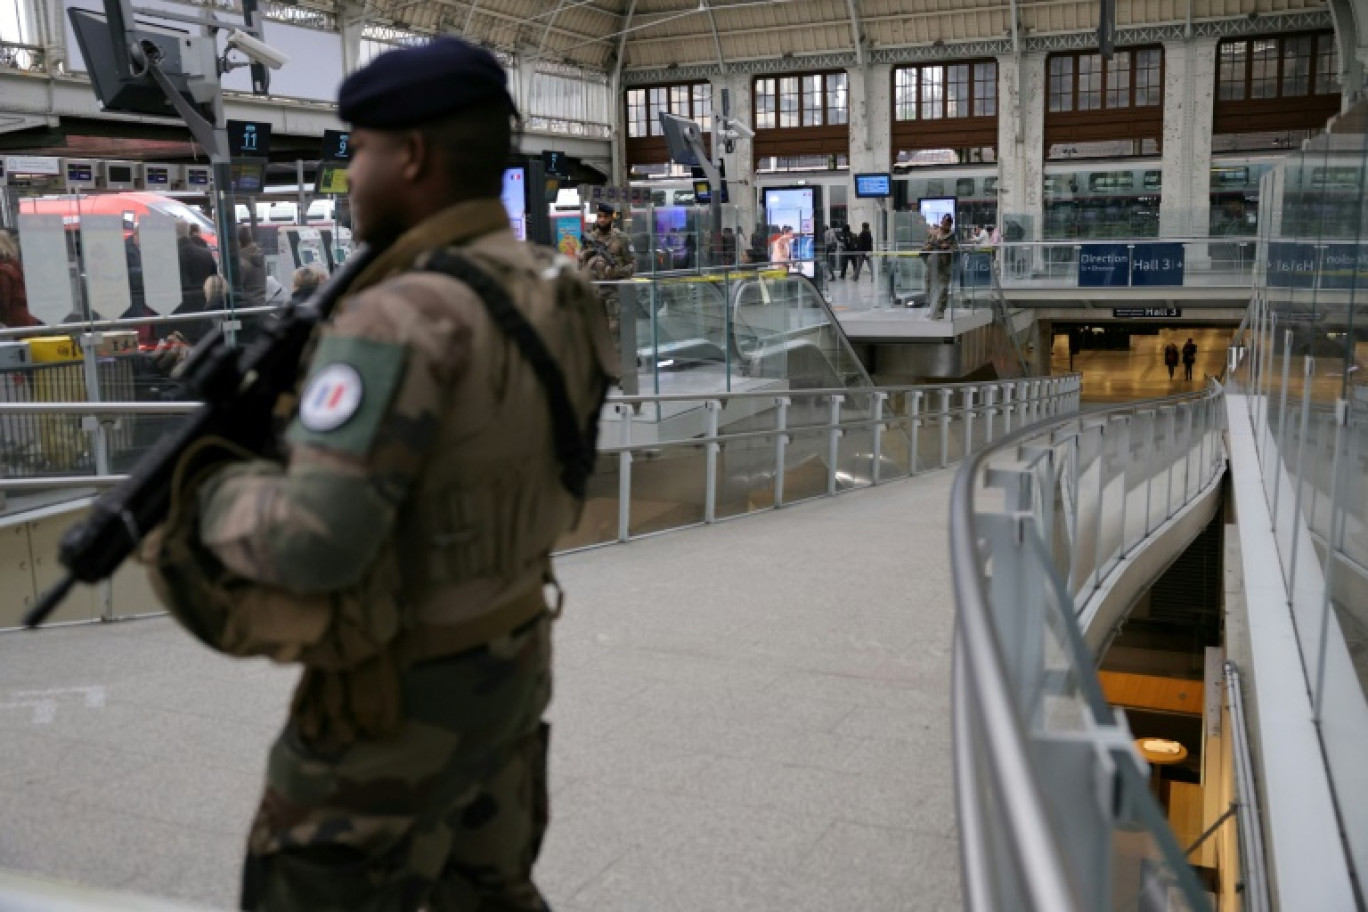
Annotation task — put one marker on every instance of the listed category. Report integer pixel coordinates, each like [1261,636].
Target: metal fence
[1053,800]
[669,462]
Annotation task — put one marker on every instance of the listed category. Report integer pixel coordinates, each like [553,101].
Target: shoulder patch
[348,393]
[331,398]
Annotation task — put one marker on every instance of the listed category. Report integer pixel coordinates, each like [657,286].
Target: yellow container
[49,349]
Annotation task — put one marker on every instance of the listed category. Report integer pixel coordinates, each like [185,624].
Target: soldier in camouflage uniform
[400,550]
[607,255]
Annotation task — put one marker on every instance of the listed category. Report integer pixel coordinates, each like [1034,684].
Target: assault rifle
[601,248]
[239,388]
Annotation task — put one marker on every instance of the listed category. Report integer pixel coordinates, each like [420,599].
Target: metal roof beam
[550,21]
[622,42]
[717,41]
[855,37]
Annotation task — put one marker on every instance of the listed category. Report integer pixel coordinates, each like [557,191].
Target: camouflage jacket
[608,258]
[420,491]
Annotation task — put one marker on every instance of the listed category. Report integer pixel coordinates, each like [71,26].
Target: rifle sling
[575,453]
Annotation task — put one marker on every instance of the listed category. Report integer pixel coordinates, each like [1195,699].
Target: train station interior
[980,515]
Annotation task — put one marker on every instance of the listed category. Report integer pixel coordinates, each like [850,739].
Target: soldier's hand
[170,353]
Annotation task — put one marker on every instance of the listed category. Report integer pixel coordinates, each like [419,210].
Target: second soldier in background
[607,256]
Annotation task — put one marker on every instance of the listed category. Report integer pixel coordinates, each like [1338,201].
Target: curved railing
[1053,800]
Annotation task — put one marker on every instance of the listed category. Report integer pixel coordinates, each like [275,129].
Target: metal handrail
[1252,861]
[81,327]
[984,691]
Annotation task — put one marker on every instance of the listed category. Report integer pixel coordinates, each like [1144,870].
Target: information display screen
[249,175]
[554,163]
[873,186]
[336,145]
[935,208]
[703,192]
[514,198]
[248,139]
[793,208]
[332,179]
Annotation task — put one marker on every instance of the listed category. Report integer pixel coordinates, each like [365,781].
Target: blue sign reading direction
[1157,264]
[1104,266]
[1344,266]
[1291,265]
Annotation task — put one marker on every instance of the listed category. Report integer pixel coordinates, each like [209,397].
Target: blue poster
[1104,266]
[976,269]
[1344,266]
[1157,264]
[1291,265]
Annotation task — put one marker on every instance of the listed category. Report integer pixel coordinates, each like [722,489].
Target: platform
[753,715]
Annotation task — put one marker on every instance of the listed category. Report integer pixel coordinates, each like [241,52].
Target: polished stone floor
[749,716]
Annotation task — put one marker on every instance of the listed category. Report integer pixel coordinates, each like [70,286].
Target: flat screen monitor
[703,192]
[156,176]
[104,47]
[249,175]
[332,178]
[873,186]
[934,208]
[683,139]
[514,198]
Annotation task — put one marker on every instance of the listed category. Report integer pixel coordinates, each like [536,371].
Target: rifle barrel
[50,600]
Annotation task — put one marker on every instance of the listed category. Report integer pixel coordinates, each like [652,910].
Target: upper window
[692,100]
[1283,66]
[937,91]
[805,100]
[1090,82]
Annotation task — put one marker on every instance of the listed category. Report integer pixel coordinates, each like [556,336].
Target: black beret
[606,209]
[409,87]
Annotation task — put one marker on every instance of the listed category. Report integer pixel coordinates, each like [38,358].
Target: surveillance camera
[256,49]
[741,128]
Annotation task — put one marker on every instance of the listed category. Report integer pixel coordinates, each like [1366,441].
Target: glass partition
[1300,360]
[723,329]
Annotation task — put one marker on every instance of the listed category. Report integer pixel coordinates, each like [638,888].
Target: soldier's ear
[416,153]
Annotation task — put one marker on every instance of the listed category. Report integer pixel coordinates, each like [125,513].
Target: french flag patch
[331,398]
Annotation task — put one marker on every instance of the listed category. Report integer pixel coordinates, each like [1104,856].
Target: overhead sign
[249,139]
[336,145]
[1154,265]
[1344,266]
[1104,266]
[29,164]
[1130,313]
[617,196]
[555,163]
[1291,265]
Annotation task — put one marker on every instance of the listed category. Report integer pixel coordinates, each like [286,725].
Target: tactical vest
[478,528]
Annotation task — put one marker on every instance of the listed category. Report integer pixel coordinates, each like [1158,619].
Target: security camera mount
[185,67]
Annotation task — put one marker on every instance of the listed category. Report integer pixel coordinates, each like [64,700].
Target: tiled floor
[749,716]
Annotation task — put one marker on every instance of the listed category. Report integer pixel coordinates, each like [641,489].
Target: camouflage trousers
[448,814]
[612,307]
